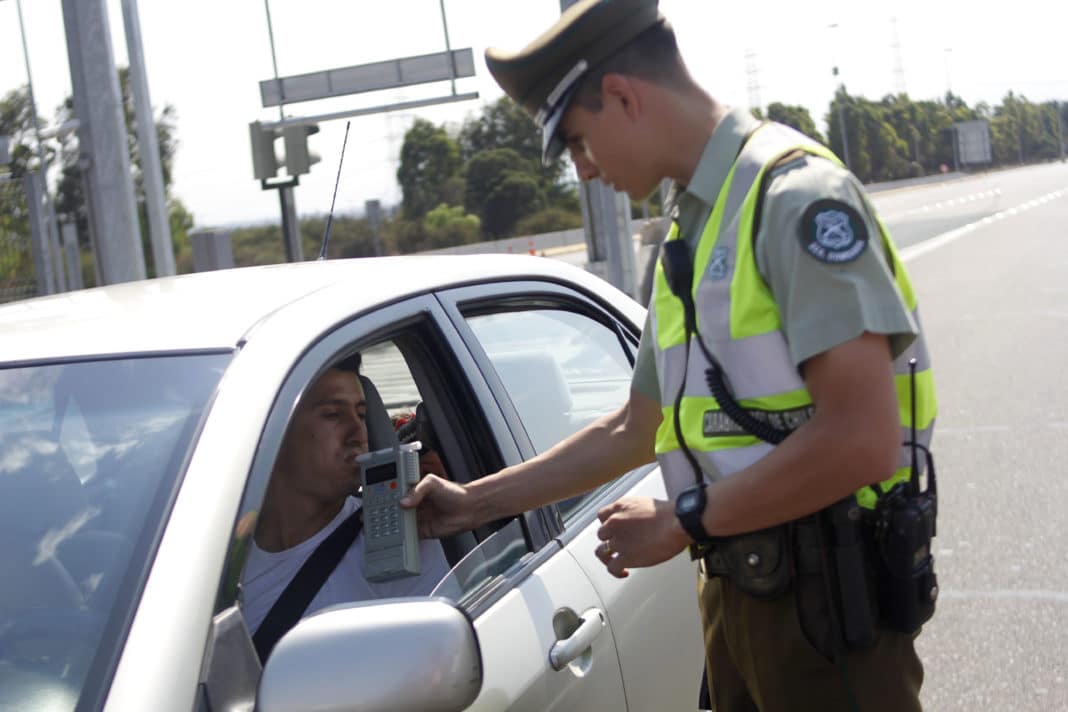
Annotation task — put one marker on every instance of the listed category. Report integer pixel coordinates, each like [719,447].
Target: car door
[542,629]
[560,360]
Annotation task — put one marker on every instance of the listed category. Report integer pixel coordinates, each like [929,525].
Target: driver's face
[327,432]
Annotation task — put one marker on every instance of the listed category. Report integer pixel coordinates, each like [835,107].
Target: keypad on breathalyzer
[384,517]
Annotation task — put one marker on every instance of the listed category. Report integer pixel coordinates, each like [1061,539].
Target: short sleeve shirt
[822,304]
[267,574]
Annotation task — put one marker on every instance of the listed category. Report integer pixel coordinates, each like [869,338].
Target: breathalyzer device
[391,538]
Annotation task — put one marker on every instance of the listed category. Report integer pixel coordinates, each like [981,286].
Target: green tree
[514,197]
[548,220]
[853,112]
[504,124]
[796,117]
[448,225]
[485,170]
[16,259]
[429,169]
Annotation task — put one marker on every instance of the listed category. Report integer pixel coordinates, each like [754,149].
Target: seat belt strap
[302,589]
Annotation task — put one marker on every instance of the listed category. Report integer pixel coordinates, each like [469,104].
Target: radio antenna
[914,478]
[330,217]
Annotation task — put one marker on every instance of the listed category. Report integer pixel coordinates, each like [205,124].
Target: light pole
[839,100]
[1060,129]
[949,85]
[53,230]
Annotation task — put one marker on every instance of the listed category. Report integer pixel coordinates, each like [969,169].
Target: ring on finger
[606,548]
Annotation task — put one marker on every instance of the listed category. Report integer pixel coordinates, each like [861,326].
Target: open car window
[561,369]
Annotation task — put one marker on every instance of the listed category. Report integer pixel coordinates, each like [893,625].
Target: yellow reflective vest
[741,326]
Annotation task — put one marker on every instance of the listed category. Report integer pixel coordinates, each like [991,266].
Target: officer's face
[607,144]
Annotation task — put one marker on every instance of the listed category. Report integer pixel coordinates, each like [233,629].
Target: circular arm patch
[833,232]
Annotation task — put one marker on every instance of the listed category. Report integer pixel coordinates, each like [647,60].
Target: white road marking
[913,251]
[1007,595]
[992,193]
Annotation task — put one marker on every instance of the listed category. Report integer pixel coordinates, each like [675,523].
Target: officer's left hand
[636,532]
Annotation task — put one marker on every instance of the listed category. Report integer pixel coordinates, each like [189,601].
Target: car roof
[215,310]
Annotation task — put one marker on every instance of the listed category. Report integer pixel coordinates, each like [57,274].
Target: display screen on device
[381,473]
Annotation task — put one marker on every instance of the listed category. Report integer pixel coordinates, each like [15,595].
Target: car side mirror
[404,654]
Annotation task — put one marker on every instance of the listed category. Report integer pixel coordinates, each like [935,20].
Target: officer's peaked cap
[542,77]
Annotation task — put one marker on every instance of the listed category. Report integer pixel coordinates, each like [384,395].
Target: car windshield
[90,456]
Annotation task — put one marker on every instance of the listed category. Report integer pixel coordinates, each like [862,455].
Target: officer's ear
[621,88]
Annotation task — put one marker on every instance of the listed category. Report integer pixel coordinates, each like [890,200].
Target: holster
[758,563]
[834,588]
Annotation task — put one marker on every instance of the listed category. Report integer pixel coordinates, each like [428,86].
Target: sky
[207,57]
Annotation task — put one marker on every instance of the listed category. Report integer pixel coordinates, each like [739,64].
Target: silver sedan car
[138,428]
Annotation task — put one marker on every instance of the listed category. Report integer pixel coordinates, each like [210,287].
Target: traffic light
[264,161]
[298,158]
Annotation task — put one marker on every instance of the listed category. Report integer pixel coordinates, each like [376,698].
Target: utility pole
[286,198]
[1060,128]
[606,217]
[159,228]
[840,101]
[102,142]
[899,64]
[949,86]
[52,231]
[752,71]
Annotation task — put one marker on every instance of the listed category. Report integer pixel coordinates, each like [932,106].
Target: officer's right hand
[442,507]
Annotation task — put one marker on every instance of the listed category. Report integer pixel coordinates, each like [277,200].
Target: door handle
[566,650]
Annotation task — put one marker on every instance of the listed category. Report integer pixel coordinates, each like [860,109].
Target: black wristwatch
[689,506]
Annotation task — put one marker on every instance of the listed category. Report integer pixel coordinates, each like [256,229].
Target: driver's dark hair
[350,363]
[653,55]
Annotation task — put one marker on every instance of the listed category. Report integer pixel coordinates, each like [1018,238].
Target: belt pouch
[757,563]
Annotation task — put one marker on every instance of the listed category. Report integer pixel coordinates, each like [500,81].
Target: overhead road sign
[350,113]
[391,74]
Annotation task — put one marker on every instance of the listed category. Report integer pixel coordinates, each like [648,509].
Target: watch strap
[691,519]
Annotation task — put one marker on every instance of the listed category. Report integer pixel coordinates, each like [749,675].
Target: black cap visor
[550,116]
[553,141]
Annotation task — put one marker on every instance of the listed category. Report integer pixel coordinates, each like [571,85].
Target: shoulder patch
[833,232]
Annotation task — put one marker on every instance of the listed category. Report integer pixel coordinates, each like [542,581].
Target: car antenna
[330,217]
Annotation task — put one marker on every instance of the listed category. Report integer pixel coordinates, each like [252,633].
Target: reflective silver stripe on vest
[923,437]
[769,368]
[678,475]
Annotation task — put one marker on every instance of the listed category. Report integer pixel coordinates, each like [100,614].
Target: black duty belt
[763,563]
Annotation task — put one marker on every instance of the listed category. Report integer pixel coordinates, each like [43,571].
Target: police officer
[772,379]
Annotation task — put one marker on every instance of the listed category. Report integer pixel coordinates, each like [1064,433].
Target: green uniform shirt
[822,305]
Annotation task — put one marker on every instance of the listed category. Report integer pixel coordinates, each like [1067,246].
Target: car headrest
[535,381]
[380,433]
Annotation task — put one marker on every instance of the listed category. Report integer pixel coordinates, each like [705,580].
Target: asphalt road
[994,299]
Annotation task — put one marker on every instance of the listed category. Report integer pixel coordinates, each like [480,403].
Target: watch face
[688,501]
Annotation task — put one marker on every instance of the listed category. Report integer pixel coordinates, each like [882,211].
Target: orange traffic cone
[530,247]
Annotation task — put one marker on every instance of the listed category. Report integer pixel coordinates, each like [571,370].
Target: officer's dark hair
[653,55]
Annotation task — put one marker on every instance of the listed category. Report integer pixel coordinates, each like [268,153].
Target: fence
[18,276]
[32,263]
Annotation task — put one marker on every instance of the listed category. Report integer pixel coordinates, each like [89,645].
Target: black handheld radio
[904,525]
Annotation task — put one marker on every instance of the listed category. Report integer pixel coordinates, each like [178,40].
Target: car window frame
[517,295]
[345,338]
